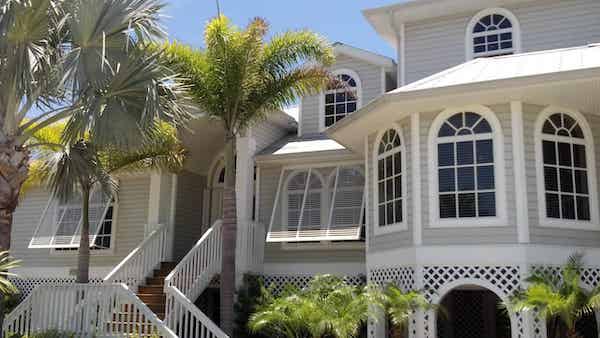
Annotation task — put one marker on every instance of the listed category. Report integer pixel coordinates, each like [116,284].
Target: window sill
[388,229]
[469,222]
[569,225]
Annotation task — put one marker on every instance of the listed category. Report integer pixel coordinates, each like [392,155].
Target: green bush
[249,297]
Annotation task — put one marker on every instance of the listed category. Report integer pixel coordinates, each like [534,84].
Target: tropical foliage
[400,306]
[7,263]
[85,61]
[238,78]
[559,298]
[73,171]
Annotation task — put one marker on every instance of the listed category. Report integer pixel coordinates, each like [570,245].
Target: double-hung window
[566,170]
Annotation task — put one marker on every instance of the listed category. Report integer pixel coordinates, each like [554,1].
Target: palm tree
[239,78]
[81,60]
[559,299]
[75,170]
[400,306]
[6,287]
[327,308]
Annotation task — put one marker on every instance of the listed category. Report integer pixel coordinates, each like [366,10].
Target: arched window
[346,189]
[390,183]
[304,201]
[493,32]
[466,172]
[566,168]
[341,99]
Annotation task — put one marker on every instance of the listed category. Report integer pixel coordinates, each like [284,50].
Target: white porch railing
[250,247]
[106,310]
[187,281]
[141,261]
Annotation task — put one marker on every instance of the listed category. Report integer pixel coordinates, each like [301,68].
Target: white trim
[307,189]
[172,215]
[516,30]
[153,202]
[415,145]
[359,95]
[300,123]
[499,171]
[593,224]
[368,224]
[518,141]
[402,226]
[364,55]
[402,52]
[257,196]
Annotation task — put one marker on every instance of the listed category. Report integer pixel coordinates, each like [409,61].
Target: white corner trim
[359,94]
[402,55]
[300,122]
[368,224]
[402,226]
[415,145]
[518,141]
[154,200]
[516,29]
[594,223]
[499,171]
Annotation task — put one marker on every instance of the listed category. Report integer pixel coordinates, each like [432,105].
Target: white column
[415,144]
[518,141]
[153,202]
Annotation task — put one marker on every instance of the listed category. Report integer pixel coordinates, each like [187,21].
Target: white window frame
[396,227]
[324,201]
[501,219]
[516,33]
[337,72]
[594,222]
[331,190]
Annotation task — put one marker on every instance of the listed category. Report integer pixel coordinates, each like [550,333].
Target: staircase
[153,291]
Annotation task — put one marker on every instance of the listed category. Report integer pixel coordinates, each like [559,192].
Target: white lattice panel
[278,282]
[403,277]
[25,286]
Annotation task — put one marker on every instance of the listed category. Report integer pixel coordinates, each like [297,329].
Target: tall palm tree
[560,299]
[81,60]
[327,308]
[239,78]
[75,170]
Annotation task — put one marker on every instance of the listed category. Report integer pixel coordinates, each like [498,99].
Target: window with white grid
[342,98]
[493,32]
[389,186]
[465,162]
[565,169]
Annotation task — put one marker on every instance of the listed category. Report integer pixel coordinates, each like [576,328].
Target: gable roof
[383,61]
[564,77]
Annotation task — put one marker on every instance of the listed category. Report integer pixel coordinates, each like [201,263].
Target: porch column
[244,186]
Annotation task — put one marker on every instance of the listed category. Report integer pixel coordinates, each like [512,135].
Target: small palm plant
[7,263]
[327,308]
[75,170]
[402,305]
[559,299]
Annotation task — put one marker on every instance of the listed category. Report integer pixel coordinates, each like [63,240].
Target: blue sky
[338,20]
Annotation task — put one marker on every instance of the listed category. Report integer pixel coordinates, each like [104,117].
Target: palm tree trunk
[83,258]
[229,237]
[14,168]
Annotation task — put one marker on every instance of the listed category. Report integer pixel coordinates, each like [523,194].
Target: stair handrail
[141,261]
[188,280]
[84,309]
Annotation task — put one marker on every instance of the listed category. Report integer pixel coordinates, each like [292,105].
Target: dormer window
[342,99]
[492,32]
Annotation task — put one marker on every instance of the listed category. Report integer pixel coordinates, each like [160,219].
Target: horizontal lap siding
[370,77]
[546,235]
[400,238]
[266,133]
[132,215]
[188,212]
[470,235]
[435,45]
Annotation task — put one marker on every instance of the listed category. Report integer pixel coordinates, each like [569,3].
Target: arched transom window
[389,185]
[304,198]
[341,99]
[565,169]
[492,33]
[465,167]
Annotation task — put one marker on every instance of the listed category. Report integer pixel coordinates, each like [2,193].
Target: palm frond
[7,263]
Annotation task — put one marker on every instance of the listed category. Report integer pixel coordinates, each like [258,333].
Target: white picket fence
[106,310]
[141,261]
